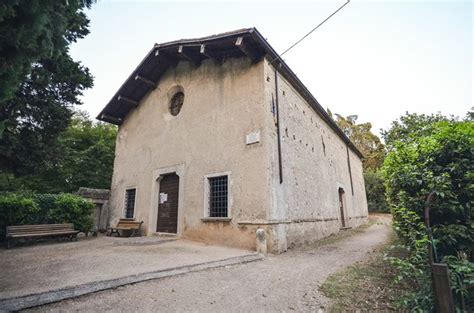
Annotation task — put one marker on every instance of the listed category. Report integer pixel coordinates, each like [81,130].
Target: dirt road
[283,282]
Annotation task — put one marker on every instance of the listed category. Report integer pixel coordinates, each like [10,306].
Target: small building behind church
[218,138]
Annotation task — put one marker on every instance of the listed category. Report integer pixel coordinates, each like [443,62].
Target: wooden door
[341,206]
[168,204]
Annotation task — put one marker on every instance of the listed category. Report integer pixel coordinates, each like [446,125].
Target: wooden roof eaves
[284,69]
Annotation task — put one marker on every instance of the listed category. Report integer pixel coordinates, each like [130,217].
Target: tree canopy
[82,156]
[32,31]
[363,138]
[374,153]
[39,81]
[409,127]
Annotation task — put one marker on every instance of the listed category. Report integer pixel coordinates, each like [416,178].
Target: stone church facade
[218,137]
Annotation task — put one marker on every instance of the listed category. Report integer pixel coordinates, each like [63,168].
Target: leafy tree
[409,127]
[83,157]
[35,30]
[88,154]
[374,152]
[39,81]
[366,141]
[375,189]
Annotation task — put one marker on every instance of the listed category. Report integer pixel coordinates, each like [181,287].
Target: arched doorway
[167,221]
[341,207]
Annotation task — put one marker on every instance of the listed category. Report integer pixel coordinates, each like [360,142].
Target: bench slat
[43,234]
[42,225]
[128,225]
[39,231]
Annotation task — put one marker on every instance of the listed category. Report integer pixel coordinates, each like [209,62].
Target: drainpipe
[277,108]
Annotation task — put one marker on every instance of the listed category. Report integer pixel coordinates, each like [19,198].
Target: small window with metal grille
[130,195]
[218,196]
[176,103]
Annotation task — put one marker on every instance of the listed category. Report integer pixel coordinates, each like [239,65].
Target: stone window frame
[171,94]
[206,214]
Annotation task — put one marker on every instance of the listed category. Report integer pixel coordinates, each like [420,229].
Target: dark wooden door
[341,206]
[168,204]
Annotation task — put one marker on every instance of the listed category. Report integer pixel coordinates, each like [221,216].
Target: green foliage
[409,127]
[431,157]
[69,208]
[16,210]
[412,268]
[88,151]
[32,31]
[462,276]
[367,142]
[374,153]
[83,157]
[39,81]
[375,190]
[26,209]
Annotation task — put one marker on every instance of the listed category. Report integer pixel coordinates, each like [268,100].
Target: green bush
[24,209]
[375,191]
[439,160]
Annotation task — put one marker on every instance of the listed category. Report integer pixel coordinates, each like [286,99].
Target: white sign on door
[163,197]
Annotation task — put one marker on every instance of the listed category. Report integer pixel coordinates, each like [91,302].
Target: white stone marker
[261,241]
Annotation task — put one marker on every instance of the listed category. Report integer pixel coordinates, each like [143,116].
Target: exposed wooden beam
[111,119]
[163,57]
[203,51]
[185,55]
[146,81]
[127,100]
[246,49]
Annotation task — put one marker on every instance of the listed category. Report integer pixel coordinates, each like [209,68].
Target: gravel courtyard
[44,267]
[283,282]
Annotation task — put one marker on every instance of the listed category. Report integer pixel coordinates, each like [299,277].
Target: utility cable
[309,33]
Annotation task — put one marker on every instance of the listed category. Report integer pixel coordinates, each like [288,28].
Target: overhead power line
[310,32]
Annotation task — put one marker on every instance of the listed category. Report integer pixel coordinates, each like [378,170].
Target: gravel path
[283,282]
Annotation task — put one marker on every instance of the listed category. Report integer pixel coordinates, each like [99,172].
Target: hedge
[440,161]
[24,209]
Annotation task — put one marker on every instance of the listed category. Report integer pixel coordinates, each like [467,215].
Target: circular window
[176,103]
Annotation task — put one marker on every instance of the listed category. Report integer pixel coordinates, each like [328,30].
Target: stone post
[261,241]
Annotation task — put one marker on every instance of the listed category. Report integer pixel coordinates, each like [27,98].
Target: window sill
[216,219]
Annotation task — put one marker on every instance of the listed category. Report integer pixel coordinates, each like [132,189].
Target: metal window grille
[218,196]
[130,202]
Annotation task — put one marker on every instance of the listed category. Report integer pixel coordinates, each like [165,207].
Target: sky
[375,59]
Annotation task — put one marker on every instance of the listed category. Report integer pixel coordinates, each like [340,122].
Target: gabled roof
[244,42]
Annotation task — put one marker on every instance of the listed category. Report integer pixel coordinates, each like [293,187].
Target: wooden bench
[126,224]
[44,230]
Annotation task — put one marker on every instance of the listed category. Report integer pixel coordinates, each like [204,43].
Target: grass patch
[365,286]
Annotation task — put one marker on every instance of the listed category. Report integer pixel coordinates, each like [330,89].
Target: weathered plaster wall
[305,207]
[223,103]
